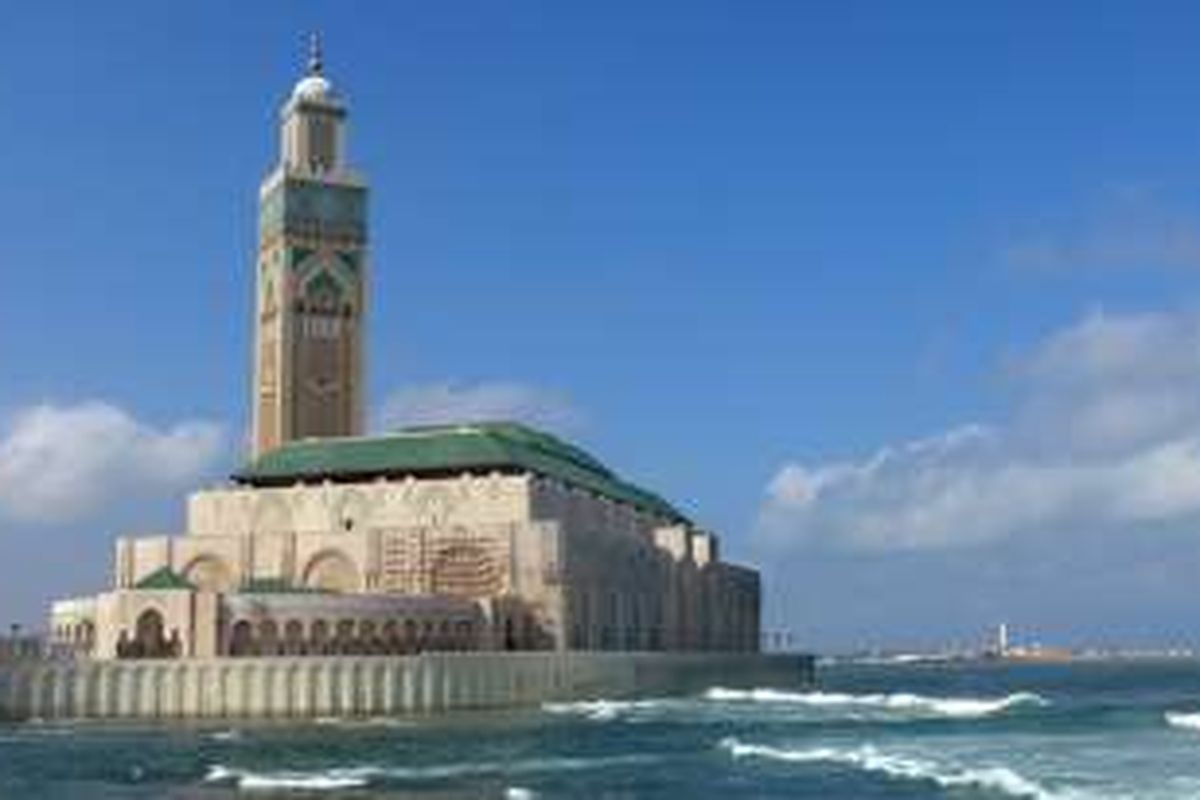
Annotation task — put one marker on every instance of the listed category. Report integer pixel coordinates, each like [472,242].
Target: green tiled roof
[442,449]
[276,586]
[164,578]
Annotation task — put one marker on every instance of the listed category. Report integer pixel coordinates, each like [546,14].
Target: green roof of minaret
[441,449]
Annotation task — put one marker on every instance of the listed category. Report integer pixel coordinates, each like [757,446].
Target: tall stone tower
[312,273]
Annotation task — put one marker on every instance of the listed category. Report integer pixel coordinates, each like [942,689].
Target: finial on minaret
[315,62]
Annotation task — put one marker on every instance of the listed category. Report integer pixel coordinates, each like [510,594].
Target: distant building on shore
[475,536]
[16,646]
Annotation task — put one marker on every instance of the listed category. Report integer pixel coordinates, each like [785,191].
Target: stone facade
[549,566]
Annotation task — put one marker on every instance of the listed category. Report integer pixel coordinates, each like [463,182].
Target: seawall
[348,686]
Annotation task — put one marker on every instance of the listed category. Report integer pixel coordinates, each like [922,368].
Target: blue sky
[853,282]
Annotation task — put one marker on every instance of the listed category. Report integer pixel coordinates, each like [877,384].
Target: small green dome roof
[164,578]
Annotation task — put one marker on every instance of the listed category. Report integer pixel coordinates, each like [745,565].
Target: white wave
[363,722]
[958,707]
[995,778]
[359,776]
[602,710]
[285,779]
[1180,719]
[519,793]
[231,735]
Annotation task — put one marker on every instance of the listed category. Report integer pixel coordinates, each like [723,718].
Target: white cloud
[438,403]
[1105,439]
[59,463]
[1132,228]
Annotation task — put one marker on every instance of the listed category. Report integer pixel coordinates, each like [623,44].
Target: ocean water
[1099,730]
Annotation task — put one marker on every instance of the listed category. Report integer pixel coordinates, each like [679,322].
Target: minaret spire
[316,63]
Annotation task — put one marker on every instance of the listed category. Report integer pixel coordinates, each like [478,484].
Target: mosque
[480,536]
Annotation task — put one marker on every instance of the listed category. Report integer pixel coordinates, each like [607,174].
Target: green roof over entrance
[164,578]
[444,450]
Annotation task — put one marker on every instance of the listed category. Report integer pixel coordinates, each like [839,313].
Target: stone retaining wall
[307,687]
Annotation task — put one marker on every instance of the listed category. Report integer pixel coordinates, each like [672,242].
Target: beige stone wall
[386,536]
[338,508]
[634,581]
[295,688]
[576,570]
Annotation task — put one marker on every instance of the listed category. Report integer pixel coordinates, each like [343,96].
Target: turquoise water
[992,731]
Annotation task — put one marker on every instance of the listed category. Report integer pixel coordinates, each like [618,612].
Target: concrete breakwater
[352,686]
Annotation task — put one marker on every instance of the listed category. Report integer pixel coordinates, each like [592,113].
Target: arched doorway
[148,637]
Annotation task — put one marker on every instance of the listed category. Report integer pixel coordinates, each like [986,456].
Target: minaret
[312,272]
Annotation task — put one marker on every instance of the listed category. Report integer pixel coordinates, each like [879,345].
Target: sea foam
[955,707]
[362,722]
[1180,719]
[325,780]
[998,779]
[360,776]
[603,710]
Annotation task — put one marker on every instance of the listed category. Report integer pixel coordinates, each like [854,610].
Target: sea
[983,730]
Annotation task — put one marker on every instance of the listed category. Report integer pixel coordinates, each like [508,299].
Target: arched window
[390,636]
[344,641]
[332,571]
[293,638]
[320,638]
[209,573]
[268,638]
[465,635]
[241,640]
[368,642]
[465,570]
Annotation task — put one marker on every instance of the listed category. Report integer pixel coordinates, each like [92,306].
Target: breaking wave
[358,777]
[1180,719]
[603,710]
[363,722]
[955,707]
[286,779]
[994,779]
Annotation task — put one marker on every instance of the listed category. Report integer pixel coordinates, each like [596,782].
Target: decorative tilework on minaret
[311,275]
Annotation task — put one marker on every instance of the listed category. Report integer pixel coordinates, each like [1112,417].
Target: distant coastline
[1021,656]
